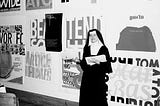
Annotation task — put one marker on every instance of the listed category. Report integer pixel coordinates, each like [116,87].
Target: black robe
[93,87]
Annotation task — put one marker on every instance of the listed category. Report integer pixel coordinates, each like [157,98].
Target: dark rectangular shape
[53,34]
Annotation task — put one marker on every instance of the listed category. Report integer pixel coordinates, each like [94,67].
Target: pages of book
[95,59]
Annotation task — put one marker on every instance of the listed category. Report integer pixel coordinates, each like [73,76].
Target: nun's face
[93,37]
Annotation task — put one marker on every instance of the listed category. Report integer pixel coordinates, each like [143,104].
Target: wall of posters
[135,76]
[136,60]
[12,51]
[130,29]
[39,64]
[76,34]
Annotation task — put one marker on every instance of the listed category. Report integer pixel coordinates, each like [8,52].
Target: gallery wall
[39,40]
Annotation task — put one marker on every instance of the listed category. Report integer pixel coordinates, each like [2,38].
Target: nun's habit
[93,86]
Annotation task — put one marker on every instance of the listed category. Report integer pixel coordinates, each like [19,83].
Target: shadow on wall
[136,39]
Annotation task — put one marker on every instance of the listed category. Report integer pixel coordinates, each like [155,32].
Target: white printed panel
[13,47]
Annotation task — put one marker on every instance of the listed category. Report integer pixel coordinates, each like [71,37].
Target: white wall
[114,16]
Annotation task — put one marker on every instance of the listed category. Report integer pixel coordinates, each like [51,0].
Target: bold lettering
[19,38]
[130,61]
[154,64]
[156,72]
[68,26]
[127,100]
[98,24]
[112,98]
[138,61]
[148,103]
[4,3]
[157,92]
[40,42]
[9,38]
[120,99]
[34,29]
[158,101]
[18,3]
[79,28]
[156,82]
[122,61]
[144,61]
[87,25]
[133,101]
[113,60]
[6,37]
[37,33]
[30,3]
[140,102]
[63,1]
[40,27]
[9,3]
[13,3]
[44,2]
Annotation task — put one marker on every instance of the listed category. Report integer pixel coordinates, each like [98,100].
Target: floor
[27,104]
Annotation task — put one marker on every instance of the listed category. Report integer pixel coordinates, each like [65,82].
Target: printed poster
[135,57]
[135,80]
[38,65]
[12,53]
[53,32]
[37,31]
[10,5]
[71,71]
[77,28]
[38,4]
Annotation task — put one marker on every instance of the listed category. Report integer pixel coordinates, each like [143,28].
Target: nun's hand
[77,61]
